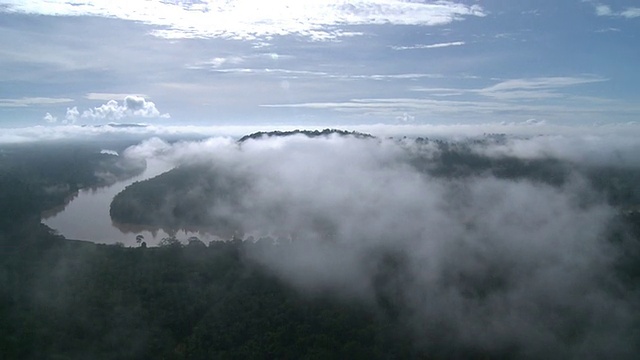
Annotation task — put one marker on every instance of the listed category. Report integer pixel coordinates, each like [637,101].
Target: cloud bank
[612,132]
[30,101]
[133,106]
[508,267]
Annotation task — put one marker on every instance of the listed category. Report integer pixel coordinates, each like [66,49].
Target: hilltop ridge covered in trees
[308,133]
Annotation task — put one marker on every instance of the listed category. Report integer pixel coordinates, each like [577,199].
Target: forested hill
[308,133]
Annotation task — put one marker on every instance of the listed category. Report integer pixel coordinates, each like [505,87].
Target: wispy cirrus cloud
[607,30]
[110,96]
[246,19]
[519,89]
[216,62]
[429,46]
[525,97]
[534,88]
[293,73]
[220,62]
[31,101]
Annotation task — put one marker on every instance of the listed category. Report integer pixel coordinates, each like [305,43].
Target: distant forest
[307,133]
[67,299]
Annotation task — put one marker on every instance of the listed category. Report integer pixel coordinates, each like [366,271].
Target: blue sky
[302,62]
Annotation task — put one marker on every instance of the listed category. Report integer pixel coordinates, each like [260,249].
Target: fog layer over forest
[524,263]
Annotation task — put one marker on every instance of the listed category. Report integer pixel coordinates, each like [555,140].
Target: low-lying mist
[471,253]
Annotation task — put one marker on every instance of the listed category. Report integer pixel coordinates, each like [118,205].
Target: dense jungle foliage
[66,299]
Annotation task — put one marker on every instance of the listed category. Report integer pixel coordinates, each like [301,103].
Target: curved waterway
[86,216]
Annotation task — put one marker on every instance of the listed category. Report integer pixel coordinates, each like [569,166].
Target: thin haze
[265,63]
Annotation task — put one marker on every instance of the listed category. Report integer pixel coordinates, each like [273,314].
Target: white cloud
[219,61]
[29,101]
[271,71]
[288,73]
[409,76]
[534,88]
[111,110]
[133,106]
[603,10]
[247,19]
[72,115]
[606,10]
[110,96]
[541,83]
[50,118]
[430,46]
[518,89]
[610,29]
[405,118]
[528,122]
[109,152]
[631,13]
[535,122]
[592,149]
[631,132]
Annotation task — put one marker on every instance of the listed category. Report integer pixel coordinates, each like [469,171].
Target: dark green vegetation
[38,177]
[193,192]
[74,300]
[63,299]
[307,133]
[461,159]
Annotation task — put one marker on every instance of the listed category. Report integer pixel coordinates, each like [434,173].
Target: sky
[570,63]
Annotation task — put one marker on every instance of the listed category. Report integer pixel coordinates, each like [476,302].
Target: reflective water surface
[86,216]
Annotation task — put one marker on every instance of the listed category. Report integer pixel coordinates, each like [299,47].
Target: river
[86,216]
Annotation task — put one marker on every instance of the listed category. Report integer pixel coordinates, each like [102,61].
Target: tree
[169,241]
